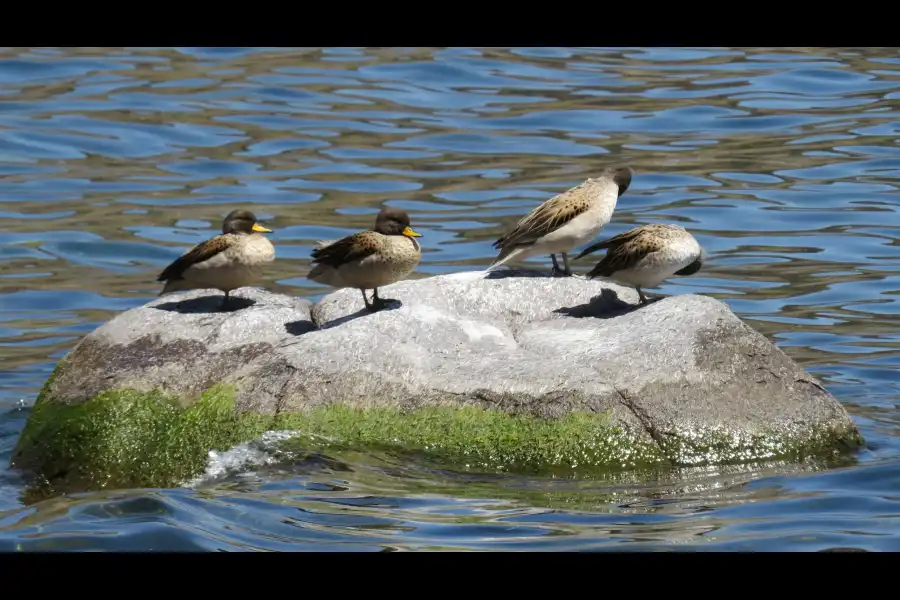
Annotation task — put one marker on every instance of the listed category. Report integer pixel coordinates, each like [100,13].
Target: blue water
[783,164]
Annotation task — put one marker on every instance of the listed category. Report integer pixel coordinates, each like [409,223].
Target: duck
[645,256]
[228,261]
[371,259]
[566,220]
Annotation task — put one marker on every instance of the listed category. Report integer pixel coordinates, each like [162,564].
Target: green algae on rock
[575,444]
[126,438]
[481,438]
[725,446]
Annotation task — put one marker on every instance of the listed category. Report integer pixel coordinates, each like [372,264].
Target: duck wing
[196,255]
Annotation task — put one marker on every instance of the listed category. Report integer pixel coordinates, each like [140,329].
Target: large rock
[554,369]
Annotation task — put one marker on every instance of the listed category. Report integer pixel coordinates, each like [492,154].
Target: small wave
[244,458]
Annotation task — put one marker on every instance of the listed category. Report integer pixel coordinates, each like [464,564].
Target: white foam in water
[243,457]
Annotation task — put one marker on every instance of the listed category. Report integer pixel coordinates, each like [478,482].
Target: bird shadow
[207,304]
[389,304]
[605,305]
[300,327]
[507,273]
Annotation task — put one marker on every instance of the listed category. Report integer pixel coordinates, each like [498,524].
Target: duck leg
[366,299]
[566,270]
[225,300]
[641,295]
[377,302]
[556,270]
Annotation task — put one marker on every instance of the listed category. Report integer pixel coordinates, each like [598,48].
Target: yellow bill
[408,232]
[259,228]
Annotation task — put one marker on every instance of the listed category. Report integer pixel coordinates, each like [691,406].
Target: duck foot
[645,300]
[565,271]
[556,272]
[376,303]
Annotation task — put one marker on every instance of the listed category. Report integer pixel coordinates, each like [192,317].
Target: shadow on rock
[507,273]
[606,305]
[389,304]
[299,327]
[207,304]
[548,274]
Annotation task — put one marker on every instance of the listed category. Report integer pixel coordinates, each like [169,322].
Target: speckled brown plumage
[646,255]
[551,215]
[353,247]
[199,253]
[566,220]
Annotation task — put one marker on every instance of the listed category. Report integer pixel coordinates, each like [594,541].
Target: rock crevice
[643,418]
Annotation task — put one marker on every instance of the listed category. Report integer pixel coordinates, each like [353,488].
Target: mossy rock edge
[129,439]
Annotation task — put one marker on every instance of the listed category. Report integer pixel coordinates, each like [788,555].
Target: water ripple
[782,162]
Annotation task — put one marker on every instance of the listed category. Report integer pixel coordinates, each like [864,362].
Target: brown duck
[369,259]
[225,262]
[647,255]
[566,220]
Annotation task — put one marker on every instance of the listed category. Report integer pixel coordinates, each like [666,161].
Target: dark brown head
[622,177]
[393,221]
[242,221]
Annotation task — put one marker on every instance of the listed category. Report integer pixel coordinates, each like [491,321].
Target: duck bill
[260,229]
[408,232]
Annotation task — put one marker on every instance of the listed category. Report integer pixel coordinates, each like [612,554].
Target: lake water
[783,162]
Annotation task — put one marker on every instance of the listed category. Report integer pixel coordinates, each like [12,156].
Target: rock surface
[683,373]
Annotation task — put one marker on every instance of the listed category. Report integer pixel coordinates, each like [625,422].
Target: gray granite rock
[683,373]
